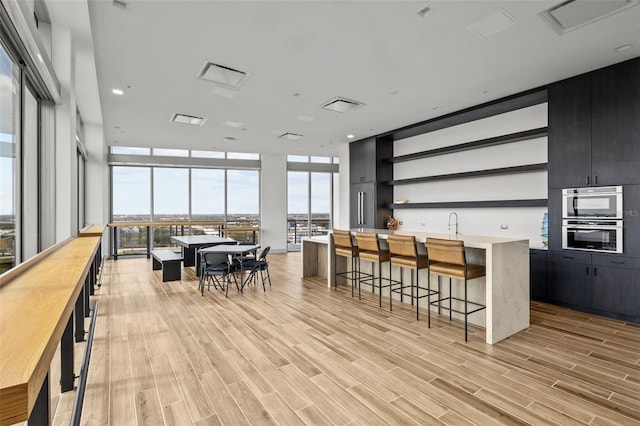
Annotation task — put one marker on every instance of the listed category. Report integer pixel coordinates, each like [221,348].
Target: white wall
[273,202]
[65,142]
[519,222]
[341,221]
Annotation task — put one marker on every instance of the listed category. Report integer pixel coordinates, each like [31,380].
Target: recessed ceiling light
[223,75]
[342,105]
[623,47]
[117,92]
[234,124]
[492,24]
[350,136]
[291,136]
[305,118]
[188,119]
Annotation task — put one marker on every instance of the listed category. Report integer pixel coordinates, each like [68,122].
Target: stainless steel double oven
[593,219]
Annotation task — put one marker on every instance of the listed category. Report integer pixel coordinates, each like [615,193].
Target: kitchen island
[505,289]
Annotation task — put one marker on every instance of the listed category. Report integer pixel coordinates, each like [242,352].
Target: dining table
[192,243]
[237,251]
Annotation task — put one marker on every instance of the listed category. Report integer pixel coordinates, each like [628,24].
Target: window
[170,202]
[30,185]
[130,150]
[297,208]
[298,158]
[325,160]
[9,184]
[207,198]
[309,199]
[207,154]
[243,156]
[243,201]
[131,193]
[171,152]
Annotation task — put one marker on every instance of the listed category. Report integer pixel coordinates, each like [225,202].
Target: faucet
[455,223]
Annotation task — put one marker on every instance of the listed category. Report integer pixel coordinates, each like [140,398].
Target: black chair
[216,268]
[259,265]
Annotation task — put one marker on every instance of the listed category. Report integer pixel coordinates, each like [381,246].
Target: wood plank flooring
[303,354]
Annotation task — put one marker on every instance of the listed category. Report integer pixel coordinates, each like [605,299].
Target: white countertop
[473,241]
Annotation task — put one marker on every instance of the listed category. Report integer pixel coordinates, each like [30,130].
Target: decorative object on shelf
[392,223]
[545,229]
[401,201]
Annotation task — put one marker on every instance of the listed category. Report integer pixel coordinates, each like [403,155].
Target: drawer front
[615,261]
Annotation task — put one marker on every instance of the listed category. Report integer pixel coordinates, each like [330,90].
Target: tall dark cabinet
[370,170]
[594,129]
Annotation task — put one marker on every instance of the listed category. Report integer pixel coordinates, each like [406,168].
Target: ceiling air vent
[223,75]
[188,119]
[574,14]
[342,105]
[291,136]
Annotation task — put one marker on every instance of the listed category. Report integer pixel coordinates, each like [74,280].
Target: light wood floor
[303,354]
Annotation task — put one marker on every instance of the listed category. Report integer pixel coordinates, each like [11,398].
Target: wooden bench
[169,262]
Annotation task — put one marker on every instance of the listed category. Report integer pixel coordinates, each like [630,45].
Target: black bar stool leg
[380,281]
[79,314]
[450,301]
[466,315]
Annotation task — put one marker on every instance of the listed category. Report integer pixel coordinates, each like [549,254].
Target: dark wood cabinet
[569,278]
[362,161]
[594,128]
[631,230]
[616,286]
[370,170]
[569,132]
[538,274]
[615,128]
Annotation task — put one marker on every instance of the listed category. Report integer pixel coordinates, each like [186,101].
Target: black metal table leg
[148,242]
[79,314]
[41,412]
[66,358]
[85,296]
[115,243]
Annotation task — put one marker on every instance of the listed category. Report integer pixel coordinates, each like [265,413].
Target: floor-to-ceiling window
[182,194]
[131,202]
[9,128]
[170,202]
[309,196]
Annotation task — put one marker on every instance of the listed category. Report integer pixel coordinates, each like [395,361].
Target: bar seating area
[345,247]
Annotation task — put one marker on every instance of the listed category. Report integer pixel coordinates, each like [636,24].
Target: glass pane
[9,119]
[298,158]
[326,160]
[131,203]
[171,152]
[170,202]
[243,156]
[130,150]
[243,201]
[81,193]
[207,199]
[207,154]
[297,208]
[320,203]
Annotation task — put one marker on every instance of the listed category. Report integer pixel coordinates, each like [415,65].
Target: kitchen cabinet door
[569,133]
[615,137]
[538,274]
[569,279]
[362,161]
[616,290]
[363,205]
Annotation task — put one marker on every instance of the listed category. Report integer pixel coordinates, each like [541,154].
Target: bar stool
[404,253]
[343,246]
[370,250]
[447,258]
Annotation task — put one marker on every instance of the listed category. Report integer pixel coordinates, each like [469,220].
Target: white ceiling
[406,68]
